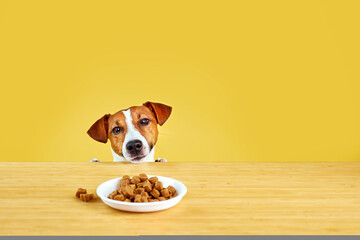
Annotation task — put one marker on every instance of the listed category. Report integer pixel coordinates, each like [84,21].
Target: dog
[132,132]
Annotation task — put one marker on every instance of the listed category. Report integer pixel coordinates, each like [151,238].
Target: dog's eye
[144,121]
[116,130]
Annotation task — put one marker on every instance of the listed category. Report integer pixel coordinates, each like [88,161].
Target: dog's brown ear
[99,129]
[162,112]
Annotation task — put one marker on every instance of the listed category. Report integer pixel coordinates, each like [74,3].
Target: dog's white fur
[148,158]
[133,134]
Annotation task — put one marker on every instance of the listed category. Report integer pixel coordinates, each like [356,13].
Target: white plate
[108,187]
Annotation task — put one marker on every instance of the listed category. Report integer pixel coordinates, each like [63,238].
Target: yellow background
[248,80]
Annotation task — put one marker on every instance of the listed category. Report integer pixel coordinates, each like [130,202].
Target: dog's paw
[94,160]
[161,160]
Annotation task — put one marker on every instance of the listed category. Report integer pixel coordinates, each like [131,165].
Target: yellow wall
[248,80]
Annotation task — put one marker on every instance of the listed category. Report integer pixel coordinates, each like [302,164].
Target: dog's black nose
[134,147]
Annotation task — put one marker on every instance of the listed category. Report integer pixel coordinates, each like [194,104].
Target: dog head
[132,132]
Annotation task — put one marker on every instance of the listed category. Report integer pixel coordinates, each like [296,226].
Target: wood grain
[223,198]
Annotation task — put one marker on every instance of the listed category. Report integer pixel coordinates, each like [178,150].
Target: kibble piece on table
[86,197]
[80,191]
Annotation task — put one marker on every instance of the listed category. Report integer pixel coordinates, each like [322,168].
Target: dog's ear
[99,129]
[162,112]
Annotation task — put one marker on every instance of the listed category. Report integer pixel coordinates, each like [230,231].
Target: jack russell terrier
[132,132]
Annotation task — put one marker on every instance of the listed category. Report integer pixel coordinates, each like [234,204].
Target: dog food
[143,177]
[86,197]
[153,180]
[171,190]
[80,191]
[158,186]
[141,189]
[165,193]
[155,193]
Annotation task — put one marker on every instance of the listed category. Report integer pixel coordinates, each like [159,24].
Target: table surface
[223,198]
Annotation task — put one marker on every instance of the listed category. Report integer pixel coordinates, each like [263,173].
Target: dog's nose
[134,147]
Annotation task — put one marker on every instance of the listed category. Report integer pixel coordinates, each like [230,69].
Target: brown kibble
[139,190]
[145,194]
[165,193]
[86,197]
[119,197]
[153,200]
[127,191]
[159,186]
[113,194]
[147,186]
[143,177]
[172,190]
[144,199]
[135,180]
[155,193]
[137,198]
[80,191]
[153,180]
[122,190]
[124,182]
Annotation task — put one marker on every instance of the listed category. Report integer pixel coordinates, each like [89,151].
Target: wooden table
[223,198]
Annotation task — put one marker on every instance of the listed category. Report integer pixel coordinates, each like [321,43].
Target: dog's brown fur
[157,113]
